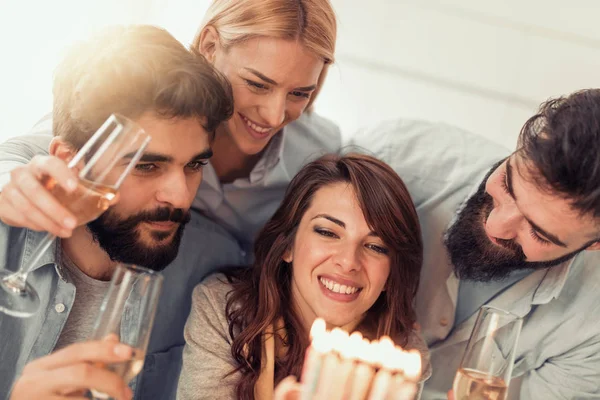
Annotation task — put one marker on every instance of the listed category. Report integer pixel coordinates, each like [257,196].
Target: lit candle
[332,377]
[405,385]
[350,356]
[338,366]
[363,372]
[385,352]
[398,378]
[313,359]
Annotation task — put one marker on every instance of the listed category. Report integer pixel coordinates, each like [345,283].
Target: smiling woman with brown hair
[345,246]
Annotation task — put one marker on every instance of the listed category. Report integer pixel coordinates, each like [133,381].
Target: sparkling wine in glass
[486,367]
[127,313]
[86,202]
[101,164]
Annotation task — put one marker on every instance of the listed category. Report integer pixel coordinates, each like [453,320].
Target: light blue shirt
[205,247]
[472,295]
[246,204]
[558,356]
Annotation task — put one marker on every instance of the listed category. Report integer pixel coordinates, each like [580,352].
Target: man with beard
[179,100]
[516,231]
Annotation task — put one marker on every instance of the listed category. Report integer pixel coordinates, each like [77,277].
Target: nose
[347,258]
[274,109]
[504,222]
[174,191]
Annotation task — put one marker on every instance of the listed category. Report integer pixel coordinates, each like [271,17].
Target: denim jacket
[205,246]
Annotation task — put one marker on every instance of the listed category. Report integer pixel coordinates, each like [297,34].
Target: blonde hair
[311,22]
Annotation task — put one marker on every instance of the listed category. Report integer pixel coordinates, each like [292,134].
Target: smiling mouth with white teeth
[337,288]
[253,126]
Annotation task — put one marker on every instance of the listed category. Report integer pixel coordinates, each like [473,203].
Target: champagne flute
[127,313]
[101,164]
[486,367]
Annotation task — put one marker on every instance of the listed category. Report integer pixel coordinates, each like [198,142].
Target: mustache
[120,239]
[165,214]
[160,214]
[512,246]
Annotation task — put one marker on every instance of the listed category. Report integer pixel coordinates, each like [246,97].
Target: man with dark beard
[120,239]
[516,231]
[144,73]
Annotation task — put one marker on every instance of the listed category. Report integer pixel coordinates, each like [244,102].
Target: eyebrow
[272,82]
[338,222]
[158,157]
[203,155]
[509,185]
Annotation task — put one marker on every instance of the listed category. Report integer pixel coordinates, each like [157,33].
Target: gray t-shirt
[89,294]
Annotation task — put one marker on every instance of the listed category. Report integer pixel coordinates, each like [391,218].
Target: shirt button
[243,254]
[60,307]
[444,321]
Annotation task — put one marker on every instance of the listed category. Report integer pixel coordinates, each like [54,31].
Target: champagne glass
[101,164]
[486,367]
[127,312]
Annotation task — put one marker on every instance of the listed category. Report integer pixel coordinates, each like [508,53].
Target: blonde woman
[276,54]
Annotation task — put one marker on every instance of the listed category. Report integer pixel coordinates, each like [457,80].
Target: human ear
[209,43]
[61,149]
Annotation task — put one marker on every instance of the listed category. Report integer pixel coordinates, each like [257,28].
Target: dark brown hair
[562,141]
[261,294]
[132,70]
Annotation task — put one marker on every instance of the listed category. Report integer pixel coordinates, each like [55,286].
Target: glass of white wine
[102,164]
[127,313]
[486,367]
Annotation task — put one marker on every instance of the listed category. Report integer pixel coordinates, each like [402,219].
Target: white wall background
[481,65]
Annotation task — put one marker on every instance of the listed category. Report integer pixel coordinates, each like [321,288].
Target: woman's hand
[25,202]
[70,372]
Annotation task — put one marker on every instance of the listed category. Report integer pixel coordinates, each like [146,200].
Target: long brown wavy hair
[261,294]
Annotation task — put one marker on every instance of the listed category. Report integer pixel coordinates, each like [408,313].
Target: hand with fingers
[71,372]
[26,202]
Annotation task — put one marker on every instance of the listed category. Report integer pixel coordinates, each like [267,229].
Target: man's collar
[33,240]
[552,283]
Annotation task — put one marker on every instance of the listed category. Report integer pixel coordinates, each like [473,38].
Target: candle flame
[322,342]
[412,364]
[381,352]
[318,328]
[386,344]
[352,348]
[339,339]
[365,352]
[397,359]
[384,353]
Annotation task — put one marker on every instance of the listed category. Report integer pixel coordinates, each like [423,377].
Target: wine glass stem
[17,281]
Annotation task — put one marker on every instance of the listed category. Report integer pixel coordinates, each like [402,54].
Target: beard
[473,256]
[121,240]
